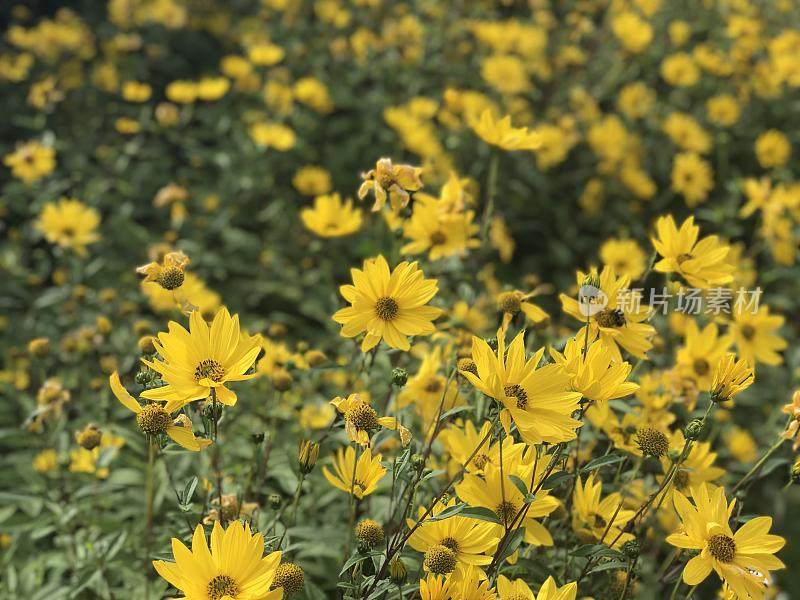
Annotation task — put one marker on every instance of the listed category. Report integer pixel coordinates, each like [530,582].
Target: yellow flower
[680,70]
[741,445]
[740,559]
[697,468]
[538,400]
[154,420]
[428,389]
[723,110]
[453,542]
[686,132]
[731,377]
[701,352]
[388,305]
[620,321]
[773,149]
[70,224]
[701,263]
[393,182]
[624,256]
[595,375]
[470,583]
[45,461]
[793,410]
[500,238]
[265,54]
[359,478]
[361,420]
[756,336]
[212,88]
[31,161]
[499,493]
[233,567]
[169,273]
[127,126]
[135,91]
[331,217]
[462,441]
[519,590]
[316,416]
[273,135]
[193,293]
[692,177]
[440,233]
[502,134]
[312,181]
[505,73]
[635,100]
[198,362]
[313,93]
[512,302]
[182,92]
[595,517]
[634,33]
[434,587]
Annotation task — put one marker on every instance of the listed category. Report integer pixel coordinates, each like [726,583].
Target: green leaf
[480,512]
[521,485]
[556,479]
[450,511]
[602,461]
[608,566]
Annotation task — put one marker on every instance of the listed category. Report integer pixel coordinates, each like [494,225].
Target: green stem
[149,495]
[759,464]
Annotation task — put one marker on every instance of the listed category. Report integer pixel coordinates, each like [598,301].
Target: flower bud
[307,456]
[631,549]
[796,471]
[89,437]
[652,442]
[257,438]
[274,501]
[315,358]
[694,430]
[397,571]
[282,380]
[399,376]
[39,347]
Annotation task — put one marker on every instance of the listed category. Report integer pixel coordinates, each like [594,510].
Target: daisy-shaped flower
[701,263]
[169,273]
[596,376]
[731,376]
[463,441]
[737,558]
[512,302]
[500,133]
[388,305]
[153,419]
[393,182]
[538,400]
[357,477]
[361,420]
[619,321]
[233,567]
[595,517]
[453,542]
[497,492]
[196,362]
[519,590]
[701,352]
[756,335]
[793,410]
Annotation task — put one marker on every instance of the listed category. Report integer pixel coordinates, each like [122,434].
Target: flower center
[438,238]
[363,417]
[514,597]
[652,442]
[597,520]
[221,586]
[610,317]
[433,385]
[510,302]
[171,278]
[386,308]
[506,511]
[722,547]
[440,560]
[681,479]
[451,543]
[748,331]
[682,258]
[153,419]
[480,461]
[701,366]
[209,369]
[467,364]
[518,392]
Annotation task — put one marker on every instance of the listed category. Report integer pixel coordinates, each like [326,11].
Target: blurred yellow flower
[330,217]
[70,224]
[31,161]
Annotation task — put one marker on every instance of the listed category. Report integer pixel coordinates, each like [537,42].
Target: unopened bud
[282,380]
[89,437]
[307,456]
[399,376]
[397,571]
[274,501]
[694,430]
[631,549]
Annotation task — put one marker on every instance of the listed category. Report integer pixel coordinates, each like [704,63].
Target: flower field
[477,300]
